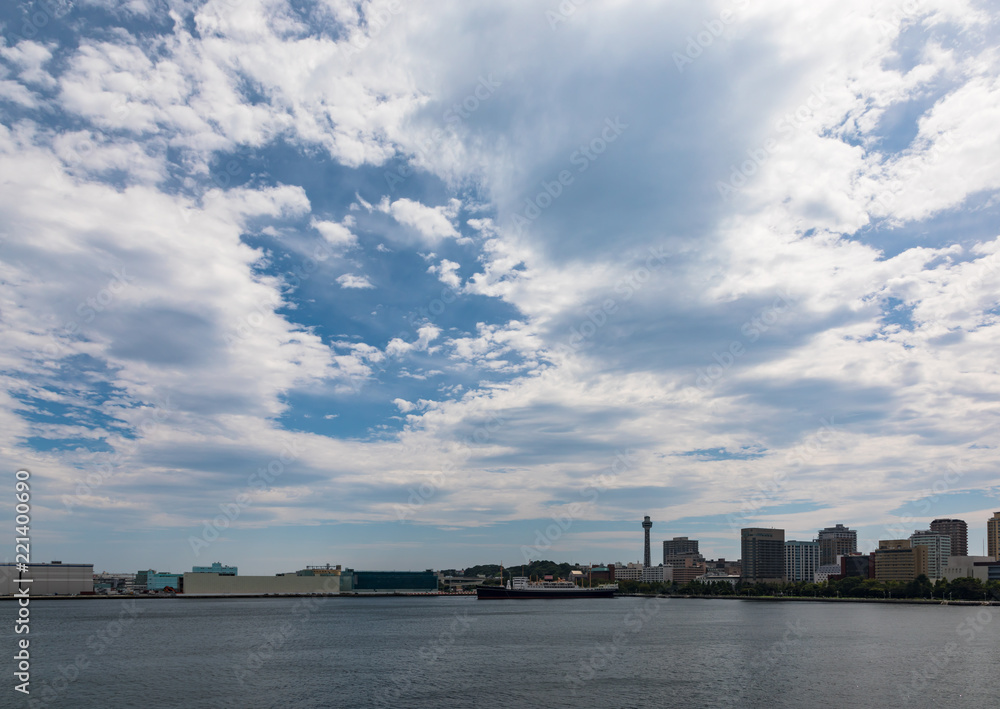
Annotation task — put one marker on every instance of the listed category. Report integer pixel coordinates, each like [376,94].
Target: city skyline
[864,547]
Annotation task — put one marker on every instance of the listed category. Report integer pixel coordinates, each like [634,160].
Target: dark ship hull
[500,593]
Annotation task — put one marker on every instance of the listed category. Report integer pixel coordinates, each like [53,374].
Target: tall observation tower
[646,525]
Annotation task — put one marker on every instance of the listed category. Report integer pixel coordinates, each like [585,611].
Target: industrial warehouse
[58,579]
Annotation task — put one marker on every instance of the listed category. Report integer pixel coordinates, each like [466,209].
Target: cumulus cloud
[349,280]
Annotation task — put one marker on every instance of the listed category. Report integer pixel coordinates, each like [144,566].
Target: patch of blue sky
[946,504]
[52,445]
[897,312]
[972,222]
[743,453]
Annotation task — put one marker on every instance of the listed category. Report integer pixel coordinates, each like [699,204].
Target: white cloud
[334,233]
[349,280]
[432,223]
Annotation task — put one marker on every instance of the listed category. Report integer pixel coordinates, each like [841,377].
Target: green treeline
[964,589]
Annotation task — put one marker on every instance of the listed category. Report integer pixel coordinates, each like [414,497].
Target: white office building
[938,551]
[801,561]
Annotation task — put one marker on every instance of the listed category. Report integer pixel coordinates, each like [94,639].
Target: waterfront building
[678,546]
[993,536]
[709,577]
[52,579]
[731,568]
[899,560]
[938,550]
[801,560]
[855,565]
[163,580]
[835,541]
[601,573]
[958,530]
[215,568]
[394,581]
[461,583]
[141,578]
[824,572]
[763,552]
[110,583]
[658,574]
[200,583]
[628,572]
[687,568]
[973,567]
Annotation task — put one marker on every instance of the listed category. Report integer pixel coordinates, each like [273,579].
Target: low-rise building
[716,577]
[215,568]
[200,583]
[628,572]
[973,567]
[825,571]
[52,579]
[658,574]
[164,581]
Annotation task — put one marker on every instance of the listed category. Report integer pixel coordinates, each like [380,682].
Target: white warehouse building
[54,579]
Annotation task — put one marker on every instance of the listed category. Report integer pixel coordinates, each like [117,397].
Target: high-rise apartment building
[801,561]
[993,536]
[763,555]
[836,541]
[958,530]
[938,551]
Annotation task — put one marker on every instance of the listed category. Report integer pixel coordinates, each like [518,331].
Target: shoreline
[224,596]
[759,599]
[828,599]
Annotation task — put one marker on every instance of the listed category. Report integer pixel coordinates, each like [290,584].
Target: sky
[408,285]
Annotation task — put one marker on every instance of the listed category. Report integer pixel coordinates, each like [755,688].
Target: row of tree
[966,589]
